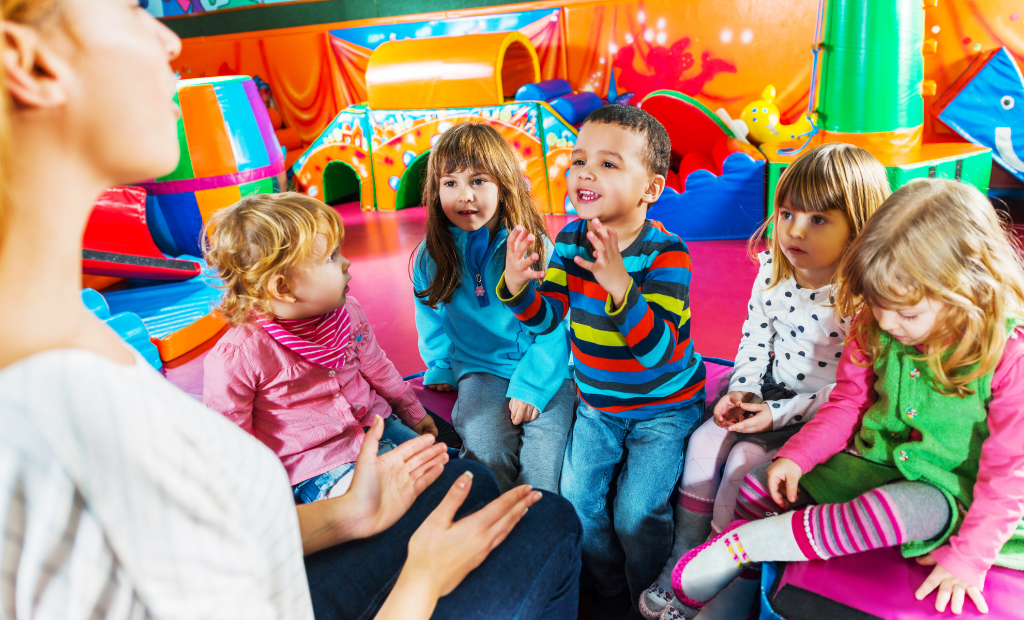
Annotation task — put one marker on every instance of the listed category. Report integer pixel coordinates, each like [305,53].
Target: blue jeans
[534,573]
[530,453]
[317,487]
[627,535]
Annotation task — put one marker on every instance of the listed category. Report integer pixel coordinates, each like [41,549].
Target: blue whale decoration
[986,106]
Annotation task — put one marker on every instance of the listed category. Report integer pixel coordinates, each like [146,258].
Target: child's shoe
[654,600]
[678,611]
[723,574]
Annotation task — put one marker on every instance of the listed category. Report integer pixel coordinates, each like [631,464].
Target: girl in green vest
[917,444]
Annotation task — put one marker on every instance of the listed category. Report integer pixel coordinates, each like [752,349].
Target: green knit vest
[952,430]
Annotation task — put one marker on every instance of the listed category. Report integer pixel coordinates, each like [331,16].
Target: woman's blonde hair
[828,177]
[943,240]
[479,147]
[34,13]
[260,237]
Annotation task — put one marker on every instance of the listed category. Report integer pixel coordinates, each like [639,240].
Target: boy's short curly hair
[657,152]
[262,236]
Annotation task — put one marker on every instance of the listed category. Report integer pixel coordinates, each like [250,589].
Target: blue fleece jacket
[475,332]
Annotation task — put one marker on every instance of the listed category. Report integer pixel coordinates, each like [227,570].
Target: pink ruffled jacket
[312,417]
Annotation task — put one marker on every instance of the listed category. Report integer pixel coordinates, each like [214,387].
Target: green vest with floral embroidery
[951,429]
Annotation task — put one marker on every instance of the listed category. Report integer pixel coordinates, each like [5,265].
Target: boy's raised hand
[608,268]
[518,264]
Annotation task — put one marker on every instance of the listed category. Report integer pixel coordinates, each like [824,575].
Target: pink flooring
[379,245]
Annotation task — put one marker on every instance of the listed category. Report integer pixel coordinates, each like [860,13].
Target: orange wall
[723,52]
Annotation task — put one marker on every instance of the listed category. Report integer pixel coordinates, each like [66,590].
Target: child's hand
[759,420]
[522,412]
[949,588]
[518,264]
[727,409]
[784,472]
[426,425]
[441,387]
[608,268]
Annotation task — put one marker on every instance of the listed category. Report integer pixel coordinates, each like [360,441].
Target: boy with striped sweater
[624,280]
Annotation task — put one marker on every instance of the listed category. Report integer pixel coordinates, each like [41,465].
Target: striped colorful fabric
[320,339]
[871,521]
[634,361]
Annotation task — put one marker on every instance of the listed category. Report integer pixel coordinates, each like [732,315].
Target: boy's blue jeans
[627,537]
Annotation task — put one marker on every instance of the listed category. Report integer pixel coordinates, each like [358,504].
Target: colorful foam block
[986,106]
[876,585]
[178,315]
[717,189]
[128,326]
[228,150]
[117,242]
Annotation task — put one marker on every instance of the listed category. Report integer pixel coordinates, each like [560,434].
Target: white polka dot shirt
[799,326]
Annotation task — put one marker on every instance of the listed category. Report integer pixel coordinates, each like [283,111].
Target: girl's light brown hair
[941,239]
[37,14]
[828,177]
[263,236]
[478,147]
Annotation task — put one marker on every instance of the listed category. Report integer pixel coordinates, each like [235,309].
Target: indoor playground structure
[379,150]
[932,88]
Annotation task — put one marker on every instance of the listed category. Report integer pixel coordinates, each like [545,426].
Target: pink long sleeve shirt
[312,417]
[998,493]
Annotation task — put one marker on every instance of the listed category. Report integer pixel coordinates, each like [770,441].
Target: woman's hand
[949,588]
[757,418]
[441,387]
[426,426]
[727,410]
[383,488]
[522,411]
[784,474]
[518,264]
[443,551]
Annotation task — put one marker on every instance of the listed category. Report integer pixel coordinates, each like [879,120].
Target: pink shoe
[677,572]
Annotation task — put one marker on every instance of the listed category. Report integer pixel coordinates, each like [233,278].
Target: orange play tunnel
[450,72]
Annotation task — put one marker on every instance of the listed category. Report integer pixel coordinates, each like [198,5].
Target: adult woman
[119,496]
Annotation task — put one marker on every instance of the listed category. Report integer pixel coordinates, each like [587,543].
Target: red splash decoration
[669,65]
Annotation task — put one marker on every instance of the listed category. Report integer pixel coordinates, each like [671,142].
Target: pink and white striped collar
[320,339]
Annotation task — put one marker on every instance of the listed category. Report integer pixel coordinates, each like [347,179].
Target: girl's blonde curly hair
[260,237]
[943,240]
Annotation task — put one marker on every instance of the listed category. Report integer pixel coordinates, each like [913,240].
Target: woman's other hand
[383,488]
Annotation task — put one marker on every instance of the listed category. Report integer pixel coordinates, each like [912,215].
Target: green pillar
[872,67]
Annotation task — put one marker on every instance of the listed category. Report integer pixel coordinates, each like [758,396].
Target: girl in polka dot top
[792,340]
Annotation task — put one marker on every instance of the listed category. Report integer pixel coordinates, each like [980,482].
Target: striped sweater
[630,362]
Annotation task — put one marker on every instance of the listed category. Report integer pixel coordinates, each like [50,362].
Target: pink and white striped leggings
[890,515]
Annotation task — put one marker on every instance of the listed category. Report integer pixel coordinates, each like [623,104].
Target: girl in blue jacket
[516,397]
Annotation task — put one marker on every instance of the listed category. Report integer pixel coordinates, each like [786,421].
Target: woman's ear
[279,290]
[31,68]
